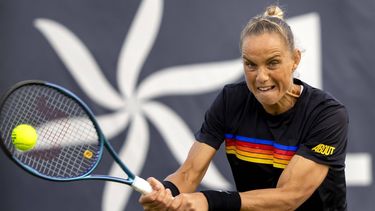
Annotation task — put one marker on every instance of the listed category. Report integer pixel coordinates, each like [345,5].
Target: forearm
[190,174]
[185,181]
[271,199]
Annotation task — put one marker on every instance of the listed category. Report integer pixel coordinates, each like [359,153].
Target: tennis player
[285,140]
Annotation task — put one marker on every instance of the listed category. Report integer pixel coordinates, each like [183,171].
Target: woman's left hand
[189,202]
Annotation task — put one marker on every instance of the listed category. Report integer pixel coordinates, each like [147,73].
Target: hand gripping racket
[70,143]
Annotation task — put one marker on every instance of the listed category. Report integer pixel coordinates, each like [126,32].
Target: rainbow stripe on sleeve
[259,150]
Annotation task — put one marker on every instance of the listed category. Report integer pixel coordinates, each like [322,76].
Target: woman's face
[269,65]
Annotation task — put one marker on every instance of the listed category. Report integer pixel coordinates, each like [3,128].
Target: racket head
[69,144]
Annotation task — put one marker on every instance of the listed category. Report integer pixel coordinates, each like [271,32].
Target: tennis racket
[70,143]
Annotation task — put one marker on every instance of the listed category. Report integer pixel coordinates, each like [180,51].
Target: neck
[286,102]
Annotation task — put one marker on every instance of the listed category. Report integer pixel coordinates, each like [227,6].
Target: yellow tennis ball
[24,137]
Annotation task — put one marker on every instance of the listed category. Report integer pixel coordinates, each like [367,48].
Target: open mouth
[266,88]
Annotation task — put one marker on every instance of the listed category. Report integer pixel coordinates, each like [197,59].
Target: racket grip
[141,185]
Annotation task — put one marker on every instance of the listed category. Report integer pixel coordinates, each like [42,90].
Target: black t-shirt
[259,145]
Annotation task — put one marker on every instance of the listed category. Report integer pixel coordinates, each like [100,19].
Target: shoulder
[325,128]
[236,91]
[236,95]
[318,97]
[322,103]
[231,95]
[236,87]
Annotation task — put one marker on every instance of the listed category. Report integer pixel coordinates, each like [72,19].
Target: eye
[273,64]
[250,65]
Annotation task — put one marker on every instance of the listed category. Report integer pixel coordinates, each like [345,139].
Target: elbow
[288,206]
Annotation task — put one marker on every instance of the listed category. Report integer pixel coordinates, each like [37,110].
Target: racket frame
[134,181]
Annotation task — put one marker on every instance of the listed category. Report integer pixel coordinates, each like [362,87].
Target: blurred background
[149,70]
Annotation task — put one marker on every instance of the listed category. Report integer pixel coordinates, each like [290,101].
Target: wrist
[222,200]
[172,187]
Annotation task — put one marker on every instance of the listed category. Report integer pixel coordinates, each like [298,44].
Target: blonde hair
[272,20]
[274,11]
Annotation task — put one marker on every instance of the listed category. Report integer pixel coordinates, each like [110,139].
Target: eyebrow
[273,57]
[244,57]
[268,59]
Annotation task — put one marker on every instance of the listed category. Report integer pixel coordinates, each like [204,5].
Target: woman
[285,140]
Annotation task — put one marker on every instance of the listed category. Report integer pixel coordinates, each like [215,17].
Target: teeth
[264,88]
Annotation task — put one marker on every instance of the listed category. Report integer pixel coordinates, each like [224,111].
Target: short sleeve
[327,138]
[213,127]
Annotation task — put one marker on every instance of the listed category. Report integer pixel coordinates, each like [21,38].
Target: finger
[159,198]
[169,193]
[169,197]
[151,197]
[148,198]
[155,184]
[162,193]
[176,203]
[161,201]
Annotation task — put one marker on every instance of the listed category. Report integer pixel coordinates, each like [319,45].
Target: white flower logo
[133,104]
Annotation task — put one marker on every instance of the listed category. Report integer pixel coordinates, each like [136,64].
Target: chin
[267,101]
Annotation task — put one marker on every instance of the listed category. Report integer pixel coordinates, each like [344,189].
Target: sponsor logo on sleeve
[323,149]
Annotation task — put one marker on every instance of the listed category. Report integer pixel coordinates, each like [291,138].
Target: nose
[262,75]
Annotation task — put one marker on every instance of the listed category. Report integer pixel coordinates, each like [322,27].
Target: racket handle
[141,185]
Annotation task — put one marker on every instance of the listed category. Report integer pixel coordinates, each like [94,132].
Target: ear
[296,58]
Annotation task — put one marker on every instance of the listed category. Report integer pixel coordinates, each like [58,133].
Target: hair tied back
[274,11]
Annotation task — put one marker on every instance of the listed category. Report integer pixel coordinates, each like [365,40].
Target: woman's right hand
[159,199]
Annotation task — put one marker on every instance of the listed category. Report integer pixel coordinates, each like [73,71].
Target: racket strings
[68,143]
